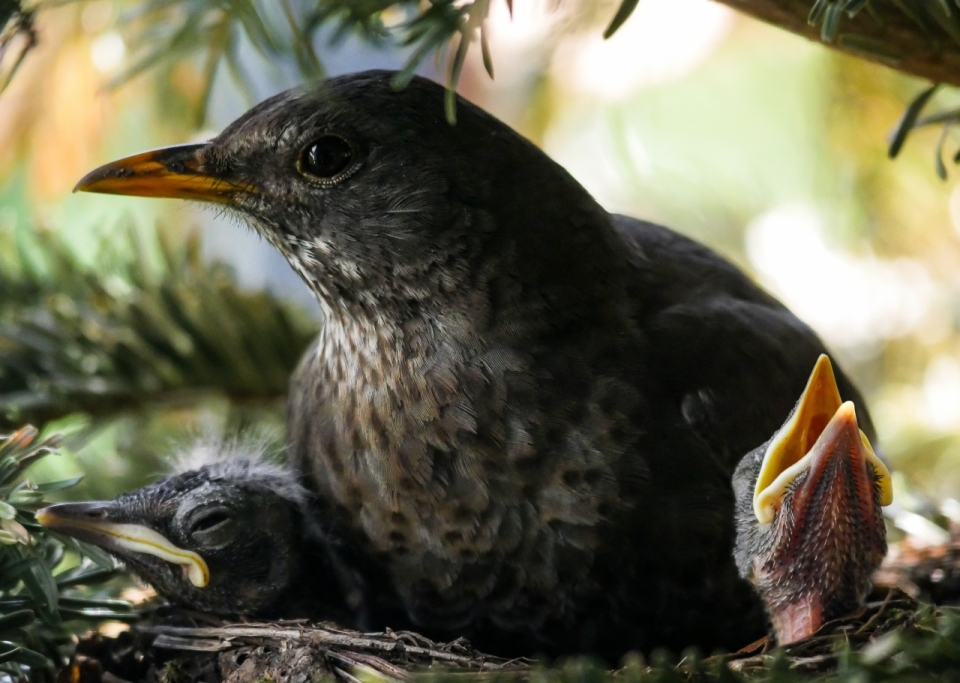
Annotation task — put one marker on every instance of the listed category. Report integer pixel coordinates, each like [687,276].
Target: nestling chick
[809,526]
[230,533]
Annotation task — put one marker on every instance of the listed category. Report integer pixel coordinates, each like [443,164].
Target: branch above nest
[919,37]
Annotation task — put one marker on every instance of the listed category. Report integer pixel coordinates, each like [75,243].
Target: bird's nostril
[95,514]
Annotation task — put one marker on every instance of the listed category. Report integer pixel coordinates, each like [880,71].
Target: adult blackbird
[229,533]
[522,411]
[810,532]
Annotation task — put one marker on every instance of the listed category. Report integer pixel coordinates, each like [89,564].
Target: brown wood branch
[451,654]
[896,40]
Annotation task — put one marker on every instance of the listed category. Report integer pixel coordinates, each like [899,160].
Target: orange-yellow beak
[175,172]
[793,451]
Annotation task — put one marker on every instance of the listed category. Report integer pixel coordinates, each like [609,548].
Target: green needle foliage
[174,30]
[75,339]
[912,120]
[17,38]
[37,601]
[211,33]
[938,20]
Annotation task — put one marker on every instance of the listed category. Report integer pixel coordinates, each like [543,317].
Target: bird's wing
[728,357]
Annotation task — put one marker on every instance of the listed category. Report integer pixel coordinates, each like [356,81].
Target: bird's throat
[798,620]
[359,353]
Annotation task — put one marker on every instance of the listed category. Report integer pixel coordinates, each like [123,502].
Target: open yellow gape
[791,450]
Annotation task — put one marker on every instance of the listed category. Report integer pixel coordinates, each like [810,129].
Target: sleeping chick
[229,533]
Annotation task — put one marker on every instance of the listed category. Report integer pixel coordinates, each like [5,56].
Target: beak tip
[44,516]
[85,182]
[89,182]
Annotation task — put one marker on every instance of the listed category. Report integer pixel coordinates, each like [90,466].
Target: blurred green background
[768,148]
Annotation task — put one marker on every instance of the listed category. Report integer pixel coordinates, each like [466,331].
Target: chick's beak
[791,451]
[174,172]
[94,522]
[842,470]
[819,430]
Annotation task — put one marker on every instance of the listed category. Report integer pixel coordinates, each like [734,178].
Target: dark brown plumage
[522,413]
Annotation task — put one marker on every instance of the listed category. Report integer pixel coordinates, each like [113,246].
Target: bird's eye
[211,521]
[328,159]
[213,529]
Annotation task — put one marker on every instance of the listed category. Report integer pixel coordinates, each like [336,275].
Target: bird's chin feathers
[247,458]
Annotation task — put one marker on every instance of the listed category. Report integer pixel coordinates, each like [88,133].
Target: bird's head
[226,537]
[367,190]
[809,526]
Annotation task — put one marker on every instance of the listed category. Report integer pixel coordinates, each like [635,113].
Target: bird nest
[168,651]
[293,651]
[821,651]
[176,646]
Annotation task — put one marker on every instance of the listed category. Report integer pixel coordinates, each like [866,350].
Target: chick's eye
[215,529]
[209,522]
[326,158]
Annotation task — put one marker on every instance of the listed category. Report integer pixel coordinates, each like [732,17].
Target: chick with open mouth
[810,530]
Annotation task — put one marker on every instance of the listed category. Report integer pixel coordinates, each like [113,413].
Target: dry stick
[883,608]
[346,675]
[321,637]
[361,661]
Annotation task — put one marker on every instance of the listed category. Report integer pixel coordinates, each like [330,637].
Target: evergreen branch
[623,13]
[97,342]
[34,640]
[921,37]
[912,119]
[17,38]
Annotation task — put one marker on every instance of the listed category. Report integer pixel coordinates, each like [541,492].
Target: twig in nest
[356,648]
